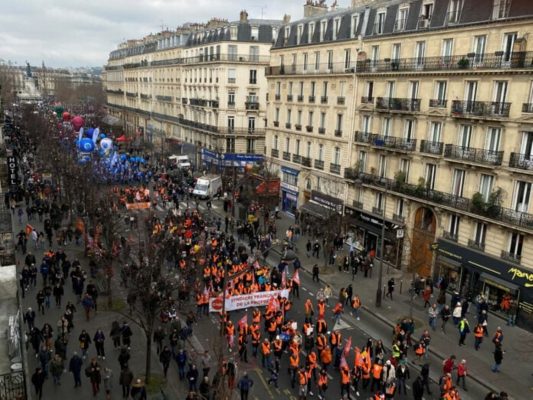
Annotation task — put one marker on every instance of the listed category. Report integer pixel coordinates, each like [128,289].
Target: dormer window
[287,34]
[255,33]
[311,32]
[379,26]
[401,20]
[501,9]
[427,11]
[323,27]
[299,34]
[336,27]
[233,33]
[454,11]
[355,25]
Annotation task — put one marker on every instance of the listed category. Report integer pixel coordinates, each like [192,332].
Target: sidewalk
[517,369]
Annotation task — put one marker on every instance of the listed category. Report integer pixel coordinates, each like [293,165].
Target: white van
[182,161]
[207,186]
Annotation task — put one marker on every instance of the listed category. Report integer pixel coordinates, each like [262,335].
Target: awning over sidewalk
[499,283]
[111,120]
[316,210]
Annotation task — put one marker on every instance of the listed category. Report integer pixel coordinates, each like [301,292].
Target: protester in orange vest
[345,380]
[321,307]
[256,338]
[230,332]
[321,326]
[326,357]
[420,350]
[302,381]
[243,347]
[265,352]
[322,384]
[309,311]
[377,369]
[356,305]
[294,364]
[478,336]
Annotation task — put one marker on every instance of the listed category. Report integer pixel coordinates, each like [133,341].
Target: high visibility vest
[321,326]
[335,339]
[230,330]
[345,376]
[365,371]
[308,307]
[272,326]
[311,359]
[376,371]
[322,380]
[256,338]
[395,351]
[478,331]
[390,389]
[420,350]
[326,356]
[321,309]
[265,348]
[277,345]
[302,378]
[356,302]
[256,316]
[294,360]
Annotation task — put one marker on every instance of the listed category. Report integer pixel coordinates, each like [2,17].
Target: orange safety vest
[446,384]
[256,316]
[478,331]
[321,325]
[326,356]
[320,342]
[311,359]
[322,380]
[321,309]
[335,338]
[345,376]
[294,360]
[365,371]
[376,371]
[308,307]
[277,345]
[272,326]
[230,330]
[420,350]
[265,348]
[302,378]
[356,302]
[256,338]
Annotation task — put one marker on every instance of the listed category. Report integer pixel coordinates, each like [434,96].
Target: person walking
[464,329]
[56,369]
[126,334]
[125,380]
[88,304]
[390,288]
[498,358]
[94,373]
[244,385]
[461,374]
[138,390]
[432,316]
[164,358]
[192,378]
[478,336]
[316,272]
[37,379]
[74,367]
[115,334]
[445,315]
[99,341]
[85,342]
[418,388]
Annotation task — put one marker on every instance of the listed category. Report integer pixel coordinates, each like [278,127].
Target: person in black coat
[418,388]
[74,366]
[38,381]
[164,358]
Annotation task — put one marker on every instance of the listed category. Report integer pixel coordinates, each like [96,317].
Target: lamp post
[379,292]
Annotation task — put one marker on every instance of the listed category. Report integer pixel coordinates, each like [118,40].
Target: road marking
[341,324]
[304,289]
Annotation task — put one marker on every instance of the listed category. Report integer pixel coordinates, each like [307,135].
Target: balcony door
[458,182]
[420,53]
[470,96]
[522,196]
[479,48]
[500,96]
[526,148]
[492,140]
[465,135]
[447,51]
[508,43]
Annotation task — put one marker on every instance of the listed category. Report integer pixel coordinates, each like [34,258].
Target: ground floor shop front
[474,273]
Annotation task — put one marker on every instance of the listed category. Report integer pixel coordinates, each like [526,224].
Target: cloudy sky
[71,33]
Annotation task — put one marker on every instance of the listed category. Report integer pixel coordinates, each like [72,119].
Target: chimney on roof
[312,8]
[243,17]
[361,3]
[286,19]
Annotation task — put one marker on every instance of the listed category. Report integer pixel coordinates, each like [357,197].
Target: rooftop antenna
[262,7]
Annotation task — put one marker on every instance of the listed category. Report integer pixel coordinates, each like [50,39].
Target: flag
[284,279]
[243,320]
[343,362]
[273,303]
[296,277]
[347,347]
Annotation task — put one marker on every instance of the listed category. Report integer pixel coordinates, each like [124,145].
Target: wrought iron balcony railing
[286,156]
[480,109]
[319,164]
[438,103]
[335,168]
[470,154]
[274,153]
[522,161]
[398,104]
[429,147]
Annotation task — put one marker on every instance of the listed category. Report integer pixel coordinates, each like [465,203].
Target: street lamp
[379,292]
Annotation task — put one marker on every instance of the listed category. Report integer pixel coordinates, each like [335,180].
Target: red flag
[343,362]
[347,347]
[243,320]
[273,303]
[296,277]
[284,279]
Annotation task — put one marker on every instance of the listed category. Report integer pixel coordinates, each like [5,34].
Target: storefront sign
[12,170]
[289,187]
[257,299]
[521,276]
[290,171]
[526,307]
[327,201]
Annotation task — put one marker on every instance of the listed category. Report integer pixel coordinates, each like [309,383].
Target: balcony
[145,96]
[231,104]
[392,142]
[454,237]
[274,153]
[521,161]
[322,130]
[131,94]
[377,210]
[363,137]
[298,127]
[515,258]
[252,105]
[398,104]
[288,125]
[335,168]
[306,162]
[296,158]
[472,61]
[438,103]
[300,98]
[311,99]
[309,128]
[232,80]
[470,154]
[338,132]
[164,98]
[341,100]
[398,218]
[323,99]
[367,100]
[491,109]
[357,204]
[497,213]
[527,108]
[351,174]
[429,147]
[476,245]
[286,156]
[289,97]
[184,100]
[277,97]
[276,124]
[319,164]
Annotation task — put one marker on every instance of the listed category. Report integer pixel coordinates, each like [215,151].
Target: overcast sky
[72,33]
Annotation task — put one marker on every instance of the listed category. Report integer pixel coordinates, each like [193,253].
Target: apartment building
[417,116]
[203,86]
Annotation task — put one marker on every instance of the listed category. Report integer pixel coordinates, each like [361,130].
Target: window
[500,95]
[447,51]
[325,88]
[232,52]
[297,148]
[289,115]
[317,60]
[431,172]
[526,148]
[386,126]
[231,98]
[299,117]
[323,27]
[413,89]
[379,201]
[440,91]
[233,32]
[379,26]
[278,88]
[515,245]
[276,118]
[480,233]
[355,25]
[231,123]
[521,196]
[400,207]
[427,11]
[405,166]
[366,124]
[465,134]
[253,77]
[299,34]
[301,88]
[230,145]
[287,34]
[275,143]
[369,90]
[501,9]
[382,166]
[250,146]
[287,145]
[337,156]
[339,122]
[310,118]
[401,20]
[308,152]
[342,85]
[478,48]
[454,11]
[251,124]
[306,61]
[435,131]
[362,161]
[289,92]
[508,43]
[330,60]
[374,55]
[395,54]
[310,32]
[313,88]
[254,53]
[390,89]
[347,60]
[321,152]
[454,225]
[485,186]
[289,178]
[420,53]
[492,141]
[323,120]
[232,75]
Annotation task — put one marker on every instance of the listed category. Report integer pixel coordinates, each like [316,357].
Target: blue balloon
[103,136]
[123,157]
[86,145]
[89,132]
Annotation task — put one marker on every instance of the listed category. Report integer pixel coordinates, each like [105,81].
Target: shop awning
[449,262]
[499,283]
[316,210]
[111,120]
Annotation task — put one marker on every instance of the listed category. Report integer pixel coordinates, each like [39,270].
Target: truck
[181,161]
[207,186]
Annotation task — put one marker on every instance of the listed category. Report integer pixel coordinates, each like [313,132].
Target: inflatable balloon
[103,136]
[106,144]
[59,110]
[77,122]
[89,133]
[66,116]
[86,145]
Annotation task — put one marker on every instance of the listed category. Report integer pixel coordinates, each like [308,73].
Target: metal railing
[398,104]
[357,204]
[390,142]
[276,123]
[516,258]
[367,100]
[480,108]
[476,245]
[471,154]
[309,128]
[398,218]
[351,173]
[322,130]
[323,99]
[300,98]
[335,168]
[438,103]
[341,100]
[252,105]
[338,132]
[319,164]
[277,97]
[522,161]
[377,210]
[288,125]
[13,386]
[306,162]
[296,158]
[286,156]
[274,153]
[289,97]
[311,99]
[450,236]
[527,107]
[429,147]
[298,127]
